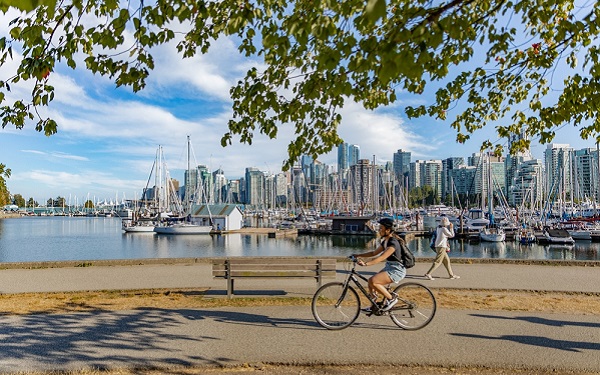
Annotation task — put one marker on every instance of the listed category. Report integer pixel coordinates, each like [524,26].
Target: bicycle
[337,305]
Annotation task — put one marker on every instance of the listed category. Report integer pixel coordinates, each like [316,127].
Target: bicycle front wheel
[335,307]
[415,308]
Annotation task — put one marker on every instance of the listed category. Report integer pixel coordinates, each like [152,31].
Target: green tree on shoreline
[4,193]
[524,67]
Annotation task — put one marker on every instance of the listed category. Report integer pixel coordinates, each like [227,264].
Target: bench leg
[229,288]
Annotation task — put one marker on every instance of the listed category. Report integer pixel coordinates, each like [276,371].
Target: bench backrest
[273,267]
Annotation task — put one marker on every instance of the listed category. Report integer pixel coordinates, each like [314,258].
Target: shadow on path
[544,342]
[538,320]
[138,338]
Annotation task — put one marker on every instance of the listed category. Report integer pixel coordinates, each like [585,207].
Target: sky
[107,137]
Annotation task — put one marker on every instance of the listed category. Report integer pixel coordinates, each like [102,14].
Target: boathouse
[222,216]
[351,224]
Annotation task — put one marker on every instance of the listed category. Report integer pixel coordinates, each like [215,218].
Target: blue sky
[107,137]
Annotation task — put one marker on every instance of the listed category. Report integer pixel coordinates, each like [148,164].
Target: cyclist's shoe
[389,303]
[368,310]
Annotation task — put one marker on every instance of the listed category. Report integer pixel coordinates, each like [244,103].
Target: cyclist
[394,271]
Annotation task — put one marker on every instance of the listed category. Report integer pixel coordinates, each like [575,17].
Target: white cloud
[58,155]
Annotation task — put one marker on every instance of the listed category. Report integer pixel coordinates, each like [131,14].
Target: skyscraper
[342,158]
[402,163]
[255,187]
[558,160]
[353,155]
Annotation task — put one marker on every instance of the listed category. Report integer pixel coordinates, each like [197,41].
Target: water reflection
[62,238]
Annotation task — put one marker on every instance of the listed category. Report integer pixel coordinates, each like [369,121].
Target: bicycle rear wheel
[335,307]
[415,308]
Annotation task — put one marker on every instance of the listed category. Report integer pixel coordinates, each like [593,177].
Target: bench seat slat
[272,261]
[273,267]
[268,274]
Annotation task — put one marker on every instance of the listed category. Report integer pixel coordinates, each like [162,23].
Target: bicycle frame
[354,277]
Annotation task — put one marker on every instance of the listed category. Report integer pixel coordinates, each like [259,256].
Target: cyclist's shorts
[395,270]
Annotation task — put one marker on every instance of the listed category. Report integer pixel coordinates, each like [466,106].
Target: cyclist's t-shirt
[395,256]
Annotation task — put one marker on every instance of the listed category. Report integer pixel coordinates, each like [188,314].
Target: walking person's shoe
[429,277]
[389,303]
[454,277]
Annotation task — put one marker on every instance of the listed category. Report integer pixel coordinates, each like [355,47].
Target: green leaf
[375,10]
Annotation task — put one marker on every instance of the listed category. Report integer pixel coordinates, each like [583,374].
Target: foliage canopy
[523,66]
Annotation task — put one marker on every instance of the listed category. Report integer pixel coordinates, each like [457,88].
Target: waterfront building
[282,181]
[526,188]
[233,192]
[299,190]
[427,173]
[220,186]
[255,187]
[447,182]
[362,185]
[220,216]
[270,192]
[558,161]
[586,177]
[402,164]
[463,179]
[342,157]
[205,193]
[353,155]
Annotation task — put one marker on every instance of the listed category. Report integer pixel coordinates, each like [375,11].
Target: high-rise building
[281,189]
[526,188]
[427,173]
[558,161]
[463,179]
[353,155]
[342,157]
[586,177]
[402,163]
[255,187]
[220,186]
[362,186]
[447,182]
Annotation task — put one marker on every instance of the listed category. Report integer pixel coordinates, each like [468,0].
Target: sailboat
[144,222]
[491,233]
[185,225]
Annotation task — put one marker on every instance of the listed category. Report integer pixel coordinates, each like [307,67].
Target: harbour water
[32,239]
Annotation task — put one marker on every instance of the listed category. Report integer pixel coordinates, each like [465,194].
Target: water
[31,239]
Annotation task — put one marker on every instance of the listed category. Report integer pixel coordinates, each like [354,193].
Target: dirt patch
[114,300]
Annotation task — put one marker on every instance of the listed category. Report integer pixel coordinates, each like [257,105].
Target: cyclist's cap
[386,222]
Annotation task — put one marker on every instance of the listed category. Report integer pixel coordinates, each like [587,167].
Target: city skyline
[107,136]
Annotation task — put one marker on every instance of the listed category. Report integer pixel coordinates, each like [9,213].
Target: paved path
[287,334]
[198,275]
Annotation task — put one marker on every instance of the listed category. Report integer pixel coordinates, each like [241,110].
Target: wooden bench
[238,268]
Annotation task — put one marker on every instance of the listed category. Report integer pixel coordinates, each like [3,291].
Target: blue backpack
[433,238]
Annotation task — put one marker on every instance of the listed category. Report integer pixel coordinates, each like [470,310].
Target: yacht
[492,234]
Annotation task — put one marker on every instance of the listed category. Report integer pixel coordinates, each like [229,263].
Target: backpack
[408,259]
[403,253]
[433,238]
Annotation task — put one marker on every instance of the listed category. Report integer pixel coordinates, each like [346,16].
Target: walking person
[442,233]
[389,251]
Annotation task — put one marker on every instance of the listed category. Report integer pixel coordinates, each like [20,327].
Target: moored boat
[183,228]
[558,236]
[525,236]
[492,235]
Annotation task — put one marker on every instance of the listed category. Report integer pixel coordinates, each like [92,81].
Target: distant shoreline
[9,215]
